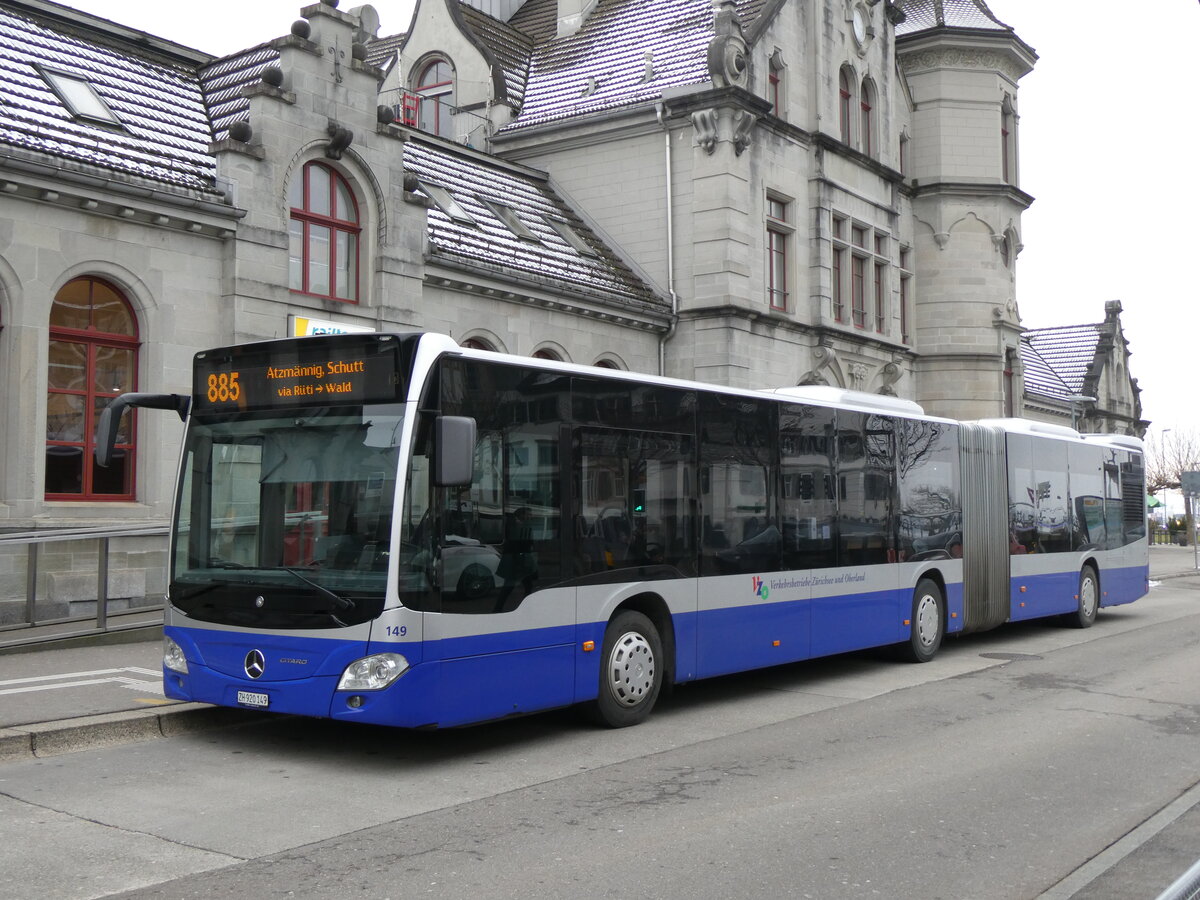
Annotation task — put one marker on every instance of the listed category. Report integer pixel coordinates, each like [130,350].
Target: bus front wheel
[631,671]
[1089,600]
[928,622]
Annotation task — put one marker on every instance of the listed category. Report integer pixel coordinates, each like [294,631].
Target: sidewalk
[56,699]
[99,692]
[1172,561]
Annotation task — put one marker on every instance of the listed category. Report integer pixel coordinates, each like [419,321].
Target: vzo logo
[760,588]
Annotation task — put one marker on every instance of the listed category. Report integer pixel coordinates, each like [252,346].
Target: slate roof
[489,244]
[1056,360]
[380,51]
[602,66]
[223,81]
[922,15]
[509,45]
[164,133]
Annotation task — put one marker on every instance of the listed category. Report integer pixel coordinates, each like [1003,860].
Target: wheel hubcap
[928,617]
[1087,597]
[631,669]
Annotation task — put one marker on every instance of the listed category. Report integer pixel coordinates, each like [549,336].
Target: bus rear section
[1055,523]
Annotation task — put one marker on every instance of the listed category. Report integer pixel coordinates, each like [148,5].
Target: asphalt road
[1029,760]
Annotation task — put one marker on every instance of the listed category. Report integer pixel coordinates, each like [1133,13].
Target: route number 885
[224,387]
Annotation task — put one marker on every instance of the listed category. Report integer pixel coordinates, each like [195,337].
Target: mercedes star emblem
[255,664]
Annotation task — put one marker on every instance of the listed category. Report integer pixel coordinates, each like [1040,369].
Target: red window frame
[880,280]
[432,94]
[865,120]
[94,340]
[844,97]
[777,269]
[858,290]
[839,305]
[309,219]
[777,255]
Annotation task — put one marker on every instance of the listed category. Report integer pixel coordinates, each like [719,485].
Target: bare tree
[1168,454]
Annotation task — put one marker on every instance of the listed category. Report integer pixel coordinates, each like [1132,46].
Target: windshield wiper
[202,589]
[338,599]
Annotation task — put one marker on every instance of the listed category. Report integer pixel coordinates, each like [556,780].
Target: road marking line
[54,682]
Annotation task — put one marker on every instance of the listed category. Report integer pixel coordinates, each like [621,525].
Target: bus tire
[631,671]
[928,622]
[1089,600]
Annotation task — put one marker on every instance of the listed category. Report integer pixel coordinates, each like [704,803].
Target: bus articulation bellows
[390,528]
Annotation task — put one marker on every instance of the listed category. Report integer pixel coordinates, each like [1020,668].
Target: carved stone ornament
[340,139]
[858,375]
[956,58]
[705,124]
[728,54]
[825,358]
[743,129]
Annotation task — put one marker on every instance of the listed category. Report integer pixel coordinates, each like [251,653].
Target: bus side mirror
[454,446]
[110,418]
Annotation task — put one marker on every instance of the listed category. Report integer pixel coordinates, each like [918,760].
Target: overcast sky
[1107,147]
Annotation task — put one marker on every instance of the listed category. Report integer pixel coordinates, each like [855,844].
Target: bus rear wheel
[1089,600]
[928,622]
[631,671]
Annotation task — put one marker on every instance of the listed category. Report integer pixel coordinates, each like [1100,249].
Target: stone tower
[962,66]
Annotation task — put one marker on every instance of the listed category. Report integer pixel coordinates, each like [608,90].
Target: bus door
[633,524]
[503,625]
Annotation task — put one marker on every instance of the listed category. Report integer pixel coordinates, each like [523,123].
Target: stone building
[758,193]
[1078,375]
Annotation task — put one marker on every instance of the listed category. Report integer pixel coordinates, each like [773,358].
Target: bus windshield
[284,518]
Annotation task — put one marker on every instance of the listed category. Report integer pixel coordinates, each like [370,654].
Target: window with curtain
[323,250]
[93,358]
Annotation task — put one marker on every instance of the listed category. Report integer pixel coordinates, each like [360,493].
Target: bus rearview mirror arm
[110,418]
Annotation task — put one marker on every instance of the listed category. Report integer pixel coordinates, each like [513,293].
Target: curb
[21,742]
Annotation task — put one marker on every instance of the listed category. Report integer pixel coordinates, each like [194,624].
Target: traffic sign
[1191,483]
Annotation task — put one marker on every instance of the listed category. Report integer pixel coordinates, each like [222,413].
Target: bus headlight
[173,657]
[373,673]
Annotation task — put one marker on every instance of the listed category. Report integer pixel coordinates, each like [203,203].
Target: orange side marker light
[589,646]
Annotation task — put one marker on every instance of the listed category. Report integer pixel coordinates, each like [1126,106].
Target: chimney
[572,14]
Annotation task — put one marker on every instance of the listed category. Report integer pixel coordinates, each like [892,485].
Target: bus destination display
[252,381]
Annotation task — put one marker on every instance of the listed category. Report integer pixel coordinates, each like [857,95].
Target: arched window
[324,235]
[477,344]
[93,357]
[775,84]
[547,354]
[844,105]
[606,364]
[435,92]
[1008,141]
[866,132]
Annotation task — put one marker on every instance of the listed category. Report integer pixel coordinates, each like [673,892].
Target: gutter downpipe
[660,112]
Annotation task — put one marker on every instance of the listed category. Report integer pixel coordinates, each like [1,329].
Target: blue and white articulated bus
[389,528]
